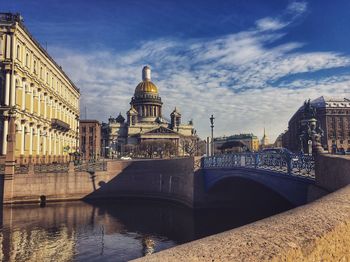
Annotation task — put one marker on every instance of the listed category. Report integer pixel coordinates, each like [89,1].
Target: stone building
[90,139]
[144,122]
[249,141]
[333,116]
[39,104]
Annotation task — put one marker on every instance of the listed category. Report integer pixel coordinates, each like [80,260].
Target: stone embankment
[318,231]
[170,179]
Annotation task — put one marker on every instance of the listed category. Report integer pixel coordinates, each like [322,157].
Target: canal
[112,230]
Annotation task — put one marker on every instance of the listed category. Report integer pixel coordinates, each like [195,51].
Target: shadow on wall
[248,200]
[164,179]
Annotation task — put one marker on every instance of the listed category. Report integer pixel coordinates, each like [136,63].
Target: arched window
[27,60]
[18,55]
[41,72]
[34,67]
[24,138]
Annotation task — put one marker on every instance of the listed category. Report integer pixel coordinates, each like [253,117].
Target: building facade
[245,141]
[39,104]
[90,139]
[144,123]
[333,117]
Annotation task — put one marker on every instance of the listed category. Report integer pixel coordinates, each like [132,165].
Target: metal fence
[91,167]
[21,169]
[290,164]
[51,168]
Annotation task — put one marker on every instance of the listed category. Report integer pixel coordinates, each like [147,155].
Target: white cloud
[268,23]
[236,77]
[297,7]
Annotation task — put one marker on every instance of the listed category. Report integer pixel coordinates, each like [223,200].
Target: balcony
[59,125]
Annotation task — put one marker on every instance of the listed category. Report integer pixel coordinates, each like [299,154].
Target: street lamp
[212,134]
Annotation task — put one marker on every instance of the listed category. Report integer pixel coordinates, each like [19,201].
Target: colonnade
[35,108]
[149,111]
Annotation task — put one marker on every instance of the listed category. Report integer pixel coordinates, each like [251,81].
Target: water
[108,231]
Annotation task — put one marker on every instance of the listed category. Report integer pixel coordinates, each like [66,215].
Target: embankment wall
[164,179]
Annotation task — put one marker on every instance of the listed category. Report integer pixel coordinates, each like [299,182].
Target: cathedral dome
[146,86]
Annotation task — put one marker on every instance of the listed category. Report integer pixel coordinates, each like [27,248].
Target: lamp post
[212,134]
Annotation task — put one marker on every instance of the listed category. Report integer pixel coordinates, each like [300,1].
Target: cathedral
[145,125]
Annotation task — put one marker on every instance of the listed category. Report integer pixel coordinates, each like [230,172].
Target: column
[50,142]
[39,103]
[45,105]
[24,94]
[4,138]
[44,143]
[32,100]
[55,144]
[30,140]
[13,91]
[7,88]
[59,144]
[23,140]
[51,106]
[38,142]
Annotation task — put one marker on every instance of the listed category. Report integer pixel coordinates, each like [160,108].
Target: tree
[189,145]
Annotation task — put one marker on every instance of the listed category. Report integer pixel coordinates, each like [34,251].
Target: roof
[325,101]
[13,18]
[146,86]
[89,121]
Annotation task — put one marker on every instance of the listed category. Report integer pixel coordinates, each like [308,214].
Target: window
[41,72]
[18,52]
[84,129]
[27,60]
[34,67]
[91,129]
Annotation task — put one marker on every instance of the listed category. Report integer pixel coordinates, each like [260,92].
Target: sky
[250,63]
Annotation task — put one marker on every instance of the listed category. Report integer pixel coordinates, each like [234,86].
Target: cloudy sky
[250,63]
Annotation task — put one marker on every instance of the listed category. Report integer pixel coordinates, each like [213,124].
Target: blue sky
[250,63]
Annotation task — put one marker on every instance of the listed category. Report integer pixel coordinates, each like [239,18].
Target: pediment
[160,130]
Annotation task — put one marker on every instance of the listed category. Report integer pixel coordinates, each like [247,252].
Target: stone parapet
[332,171]
[319,231]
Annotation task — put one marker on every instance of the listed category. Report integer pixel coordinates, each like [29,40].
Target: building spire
[146,73]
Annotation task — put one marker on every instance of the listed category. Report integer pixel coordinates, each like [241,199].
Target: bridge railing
[290,164]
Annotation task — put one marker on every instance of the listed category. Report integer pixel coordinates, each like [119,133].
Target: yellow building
[246,142]
[37,96]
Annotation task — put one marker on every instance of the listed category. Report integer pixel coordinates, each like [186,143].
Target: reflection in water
[105,231]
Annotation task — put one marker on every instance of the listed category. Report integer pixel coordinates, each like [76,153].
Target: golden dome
[146,86]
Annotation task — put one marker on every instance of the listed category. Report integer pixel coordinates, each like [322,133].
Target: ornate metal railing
[21,169]
[51,168]
[91,167]
[291,164]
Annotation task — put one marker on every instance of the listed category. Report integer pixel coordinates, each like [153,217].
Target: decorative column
[55,144]
[51,107]
[24,94]
[32,99]
[13,91]
[7,88]
[38,142]
[4,138]
[31,140]
[23,140]
[45,105]
[39,102]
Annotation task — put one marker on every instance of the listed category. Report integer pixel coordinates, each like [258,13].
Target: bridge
[289,175]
